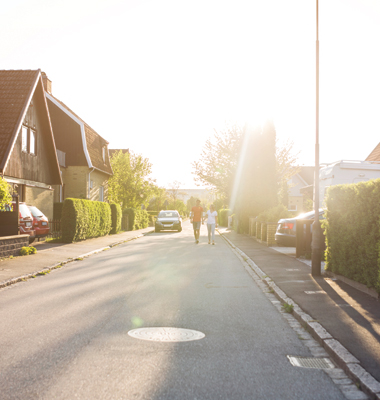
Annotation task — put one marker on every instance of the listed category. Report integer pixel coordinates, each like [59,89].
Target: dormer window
[28,140]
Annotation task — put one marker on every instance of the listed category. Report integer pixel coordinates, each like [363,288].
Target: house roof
[17,88]
[16,91]
[307,174]
[93,143]
[375,154]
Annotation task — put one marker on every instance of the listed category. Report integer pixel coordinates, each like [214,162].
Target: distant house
[82,153]
[296,185]
[28,159]
[375,154]
[114,151]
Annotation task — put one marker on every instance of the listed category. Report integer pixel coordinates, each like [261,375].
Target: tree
[5,194]
[246,166]
[130,185]
[217,166]
[157,202]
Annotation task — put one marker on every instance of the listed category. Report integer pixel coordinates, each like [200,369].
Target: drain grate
[161,334]
[310,362]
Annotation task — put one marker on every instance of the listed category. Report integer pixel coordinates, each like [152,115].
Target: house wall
[295,203]
[41,198]
[35,168]
[75,181]
[99,180]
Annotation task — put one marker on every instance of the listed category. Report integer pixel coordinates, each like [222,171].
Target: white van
[344,172]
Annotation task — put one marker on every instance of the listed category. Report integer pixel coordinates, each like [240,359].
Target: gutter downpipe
[89,183]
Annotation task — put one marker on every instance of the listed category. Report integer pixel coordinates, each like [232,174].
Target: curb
[341,356]
[46,270]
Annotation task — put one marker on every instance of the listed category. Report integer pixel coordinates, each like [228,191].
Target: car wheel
[31,239]
[180,229]
[156,230]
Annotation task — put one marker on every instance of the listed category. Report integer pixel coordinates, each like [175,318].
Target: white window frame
[101,193]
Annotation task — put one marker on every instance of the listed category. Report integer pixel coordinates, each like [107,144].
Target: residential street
[65,335]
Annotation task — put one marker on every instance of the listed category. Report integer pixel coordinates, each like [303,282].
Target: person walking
[212,223]
[196,218]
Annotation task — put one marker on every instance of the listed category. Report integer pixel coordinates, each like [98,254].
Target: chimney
[47,82]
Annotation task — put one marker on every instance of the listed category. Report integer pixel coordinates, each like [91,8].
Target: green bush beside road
[352,231]
[84,219]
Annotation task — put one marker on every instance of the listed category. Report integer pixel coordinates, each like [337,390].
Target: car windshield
[167,214]
[24,211]
[35,211]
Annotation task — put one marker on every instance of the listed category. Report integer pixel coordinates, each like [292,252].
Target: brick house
[28,159]
[82,153]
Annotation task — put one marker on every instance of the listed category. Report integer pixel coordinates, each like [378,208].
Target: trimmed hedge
[115,218]
[137,219]
[57,211]
[223,215]
[84,219]
[352,230]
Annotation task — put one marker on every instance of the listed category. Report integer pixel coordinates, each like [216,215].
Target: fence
[55,229]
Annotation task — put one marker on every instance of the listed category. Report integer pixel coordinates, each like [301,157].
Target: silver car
[168,220]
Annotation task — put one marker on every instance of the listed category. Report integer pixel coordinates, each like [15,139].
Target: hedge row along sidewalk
[348,336]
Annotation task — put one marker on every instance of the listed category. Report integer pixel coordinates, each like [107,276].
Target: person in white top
[212,223]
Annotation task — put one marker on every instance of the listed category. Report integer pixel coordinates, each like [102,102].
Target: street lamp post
[316,242]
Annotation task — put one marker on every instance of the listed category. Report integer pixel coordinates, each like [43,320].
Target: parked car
[286,228]
[40,222]
[168,220]
[26,221]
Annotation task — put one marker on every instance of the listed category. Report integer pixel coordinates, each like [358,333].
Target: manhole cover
[166,334]
[316,363]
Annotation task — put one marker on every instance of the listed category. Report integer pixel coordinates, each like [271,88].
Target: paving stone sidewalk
[343,319]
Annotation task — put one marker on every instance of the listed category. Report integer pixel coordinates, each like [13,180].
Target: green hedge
[223,215]
[352,231]
[57,211]
[115,218]
[84,219]
[137,219]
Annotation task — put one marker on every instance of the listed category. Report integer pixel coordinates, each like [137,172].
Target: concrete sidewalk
[51,255]
[347,321]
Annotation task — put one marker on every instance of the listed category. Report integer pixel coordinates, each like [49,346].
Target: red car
[26,222]
[40,222]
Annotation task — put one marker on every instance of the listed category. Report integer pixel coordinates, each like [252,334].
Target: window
[32,142]
[104,153]
[28,140]
[292,207]
[101,193]
[24,139]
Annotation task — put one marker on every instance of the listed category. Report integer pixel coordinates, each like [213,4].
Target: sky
[160,77]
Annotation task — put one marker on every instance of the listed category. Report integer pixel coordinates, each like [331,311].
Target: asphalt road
[65,335]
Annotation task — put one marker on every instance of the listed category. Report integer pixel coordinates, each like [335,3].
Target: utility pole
[317,234]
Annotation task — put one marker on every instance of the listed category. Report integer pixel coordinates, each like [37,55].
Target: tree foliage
[130,185]
[5,194]
[247,167]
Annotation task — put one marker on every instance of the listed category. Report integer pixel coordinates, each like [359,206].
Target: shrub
[84,219]
[137,219]
[115,218]
[223,215]
[352,230]
[24,251]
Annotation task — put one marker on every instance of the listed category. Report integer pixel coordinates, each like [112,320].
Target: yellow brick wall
[75,180]
[41,198]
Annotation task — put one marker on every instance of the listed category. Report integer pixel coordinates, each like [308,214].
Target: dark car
[286,228]
[168,220]
[26,222]
[40,222]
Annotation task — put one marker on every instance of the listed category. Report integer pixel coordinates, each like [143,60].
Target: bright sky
[158,77]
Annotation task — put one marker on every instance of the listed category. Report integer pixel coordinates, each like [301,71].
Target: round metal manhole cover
[166,334]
